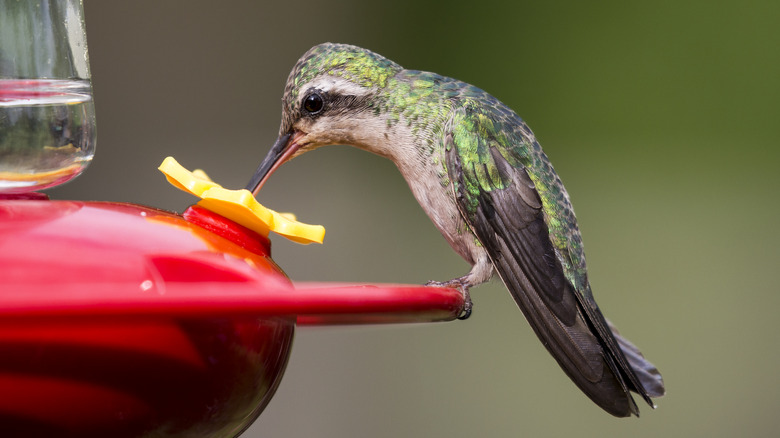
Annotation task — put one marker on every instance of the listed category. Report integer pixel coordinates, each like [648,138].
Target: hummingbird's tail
[648,374]
[602,363]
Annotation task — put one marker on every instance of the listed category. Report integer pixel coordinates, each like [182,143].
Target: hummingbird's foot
[467,306]
[462,285]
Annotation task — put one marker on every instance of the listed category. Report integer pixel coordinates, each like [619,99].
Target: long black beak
[269,163]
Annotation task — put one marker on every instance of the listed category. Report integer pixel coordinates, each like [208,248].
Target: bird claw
[466,308]
[460,285]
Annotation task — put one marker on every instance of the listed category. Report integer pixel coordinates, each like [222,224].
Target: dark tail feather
[648,374]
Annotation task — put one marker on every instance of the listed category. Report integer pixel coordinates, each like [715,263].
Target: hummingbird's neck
[379,134]
[404,142]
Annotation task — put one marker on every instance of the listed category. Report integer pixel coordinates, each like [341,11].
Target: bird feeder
[127,321]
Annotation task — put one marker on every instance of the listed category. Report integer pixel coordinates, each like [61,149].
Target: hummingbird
[481,176]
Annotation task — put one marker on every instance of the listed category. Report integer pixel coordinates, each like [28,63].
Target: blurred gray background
[660,117]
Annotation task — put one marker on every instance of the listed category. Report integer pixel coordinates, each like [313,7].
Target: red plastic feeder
[118,320]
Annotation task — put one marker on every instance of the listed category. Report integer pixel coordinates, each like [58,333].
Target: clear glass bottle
[47,115]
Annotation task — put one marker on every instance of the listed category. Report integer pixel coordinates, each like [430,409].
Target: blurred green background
[660,117]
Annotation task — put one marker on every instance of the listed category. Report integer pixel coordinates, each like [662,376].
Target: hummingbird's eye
[313,103]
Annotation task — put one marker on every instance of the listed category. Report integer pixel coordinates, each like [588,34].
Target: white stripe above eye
[336,85]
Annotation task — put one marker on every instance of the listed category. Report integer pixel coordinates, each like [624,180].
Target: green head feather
[360,66]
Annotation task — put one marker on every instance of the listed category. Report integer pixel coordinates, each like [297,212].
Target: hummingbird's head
[333,96]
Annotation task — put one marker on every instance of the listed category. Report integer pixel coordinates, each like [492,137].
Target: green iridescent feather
[482,123]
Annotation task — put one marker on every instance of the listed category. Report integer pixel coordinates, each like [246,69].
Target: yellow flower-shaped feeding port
[239,205]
